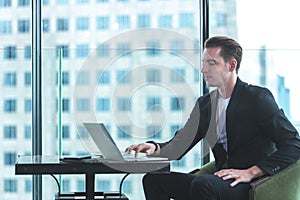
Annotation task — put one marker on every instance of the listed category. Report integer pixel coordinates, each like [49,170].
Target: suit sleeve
[279,129]
[184,139]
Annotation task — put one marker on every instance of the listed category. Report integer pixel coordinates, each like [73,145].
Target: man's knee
[201,181]
[201,185]
[152,187]
[149,180]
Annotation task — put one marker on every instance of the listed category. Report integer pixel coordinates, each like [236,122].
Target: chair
[284,185]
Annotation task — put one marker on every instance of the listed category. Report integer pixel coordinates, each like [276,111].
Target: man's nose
[203,68]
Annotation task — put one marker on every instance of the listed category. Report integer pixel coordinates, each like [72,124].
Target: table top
[51,164]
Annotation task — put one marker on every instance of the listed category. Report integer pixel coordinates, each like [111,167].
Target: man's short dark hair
[229,48]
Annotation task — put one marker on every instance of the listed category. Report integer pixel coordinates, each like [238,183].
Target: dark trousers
[180,186]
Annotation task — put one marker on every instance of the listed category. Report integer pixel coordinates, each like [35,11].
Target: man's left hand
[240,176]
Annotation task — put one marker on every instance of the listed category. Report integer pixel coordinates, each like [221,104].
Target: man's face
[214,69]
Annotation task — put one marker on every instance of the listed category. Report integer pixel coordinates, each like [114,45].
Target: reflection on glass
[122,69]
[133,65]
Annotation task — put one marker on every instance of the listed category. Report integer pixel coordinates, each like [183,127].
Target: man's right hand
[147,148]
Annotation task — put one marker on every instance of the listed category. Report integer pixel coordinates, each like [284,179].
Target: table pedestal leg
[90,186]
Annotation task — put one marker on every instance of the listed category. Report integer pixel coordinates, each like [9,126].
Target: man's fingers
[142,147]
[235,182]
[224,172]
[239,176]
[131,148]
[227,174]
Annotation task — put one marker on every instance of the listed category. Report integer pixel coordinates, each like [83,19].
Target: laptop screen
[104,141]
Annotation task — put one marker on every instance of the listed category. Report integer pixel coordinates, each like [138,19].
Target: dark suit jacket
[258,132]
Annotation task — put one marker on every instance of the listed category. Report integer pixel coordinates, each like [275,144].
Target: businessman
[247,132]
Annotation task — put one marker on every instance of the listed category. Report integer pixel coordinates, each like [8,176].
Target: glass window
[5,3]
[10,105]
[65,105]
[82,23]
[124,131]
[265,60]
[143,21]
[103,77]
[186,20]
[221,19]
[23,26]
[15,59]
[27,131]
[46,25]
[66,185]
[65,131]
[10,79]
[102,23]
[62,2]
[82,132]
[82,50]
[46,2]
[196,75]
[10,52]
[65,50]
[62,24]
[82,1]
[10,158]
[103,50]
[82,104]
[153,75]
[103,104]
[154,131]
[102,1]
[197,159]
[165,21]
[153,48]
[177,46]
[5,27]
[27,105]
[28,186]
[179,163]
[65,78]
[27,52]
[27,78]
[123,104]
[174,128]
[177,103]
[123,49]
[123,77]
[80,184]
[83,78]
[123,21]
[10,185]
[10,131]
[129,60]
[128,187]
[23,2]
[153,103]
[178,75]
[103,185]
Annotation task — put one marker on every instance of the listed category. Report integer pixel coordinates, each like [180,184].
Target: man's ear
[232,64]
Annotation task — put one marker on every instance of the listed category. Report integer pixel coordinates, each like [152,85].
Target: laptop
[108,147]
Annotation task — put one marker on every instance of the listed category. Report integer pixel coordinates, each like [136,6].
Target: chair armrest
[259,181]
[284,185]
[205,169]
